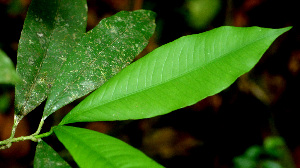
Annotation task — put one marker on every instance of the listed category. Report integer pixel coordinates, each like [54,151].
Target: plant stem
[17,119]
[46,134]
[7,143]
[40,126]
[34,137]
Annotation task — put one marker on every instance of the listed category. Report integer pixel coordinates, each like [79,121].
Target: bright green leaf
[7,70]
[46,157]
[51,30]
[177,74]
[101,53]
[94,149]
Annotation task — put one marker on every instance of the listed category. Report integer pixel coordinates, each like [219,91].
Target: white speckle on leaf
[103,74]
[115,69]
[113,30]
[31,42]
[124,65]
[119,19]
[63,58]
[39,19]
[40,80]
[58,164]
[74,36]
[30,61]
[87,84]
[104,63]
[74,95]
[40,34]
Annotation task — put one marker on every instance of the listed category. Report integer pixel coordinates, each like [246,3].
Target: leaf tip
[285,29]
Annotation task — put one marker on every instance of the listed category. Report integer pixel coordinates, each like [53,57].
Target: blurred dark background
[254,123]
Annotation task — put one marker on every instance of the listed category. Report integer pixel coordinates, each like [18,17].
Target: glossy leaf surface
[177,74]
[46,157]
[94,149]
[101,53]
[50,31]
[7,70]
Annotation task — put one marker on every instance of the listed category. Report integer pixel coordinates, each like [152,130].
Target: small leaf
[46,157]
[7,71]
[101,53]
[50,31]
[94,149]
[176,75]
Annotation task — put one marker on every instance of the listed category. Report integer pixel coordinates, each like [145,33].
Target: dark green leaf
[101,53]
[46,157]
[177,74]
[7,70]
[94,149]
[50,31]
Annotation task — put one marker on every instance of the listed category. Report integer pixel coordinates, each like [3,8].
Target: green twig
[34,137]
[17,119]
[7,143]
[40,126]
[46,134]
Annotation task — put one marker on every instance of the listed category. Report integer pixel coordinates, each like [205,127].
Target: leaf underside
[94,149]
[176,75]
[46,157]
